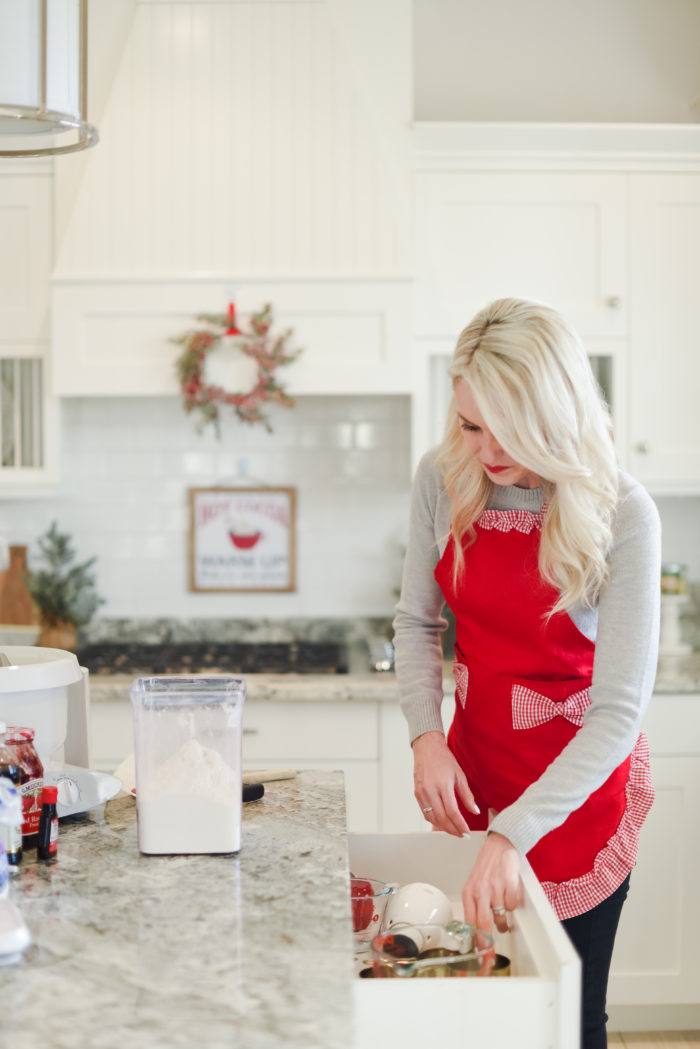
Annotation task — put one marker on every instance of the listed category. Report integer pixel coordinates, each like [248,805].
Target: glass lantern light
[43,78]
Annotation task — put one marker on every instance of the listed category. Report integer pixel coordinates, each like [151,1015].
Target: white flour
[190,803]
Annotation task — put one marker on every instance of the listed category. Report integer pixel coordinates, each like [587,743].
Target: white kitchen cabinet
[314,735]
[554,236]
[25,253]
[664,377]
[602,223]
[112,730]
[28,413]
[114,338]
[656,969]
[317,735]
[558,237]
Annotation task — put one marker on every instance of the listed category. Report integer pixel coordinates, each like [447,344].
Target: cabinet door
[664,365]
[558,237]
[114,338]
[278,735]
[112,733]
[317,735]
[25,257]
[656,959]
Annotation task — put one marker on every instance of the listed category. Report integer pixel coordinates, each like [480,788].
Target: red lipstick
[496,469]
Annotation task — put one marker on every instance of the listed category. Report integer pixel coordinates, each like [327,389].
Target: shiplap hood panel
[242,142]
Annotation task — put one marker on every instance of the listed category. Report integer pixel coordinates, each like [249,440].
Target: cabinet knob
[614,302]
[642,447]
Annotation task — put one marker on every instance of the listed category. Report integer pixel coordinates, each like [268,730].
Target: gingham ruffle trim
[509,520]
[461,676]
[617,858]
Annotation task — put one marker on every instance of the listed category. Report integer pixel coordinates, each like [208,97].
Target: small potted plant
[64,592]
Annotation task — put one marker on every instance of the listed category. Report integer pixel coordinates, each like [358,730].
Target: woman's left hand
[493,883]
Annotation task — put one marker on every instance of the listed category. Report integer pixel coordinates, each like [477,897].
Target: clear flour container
[187,748]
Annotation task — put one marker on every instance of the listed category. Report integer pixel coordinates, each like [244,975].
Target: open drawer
[536,1007]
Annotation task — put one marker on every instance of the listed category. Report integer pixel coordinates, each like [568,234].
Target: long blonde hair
[533,384]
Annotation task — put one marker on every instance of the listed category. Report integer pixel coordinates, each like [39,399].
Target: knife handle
[253,791]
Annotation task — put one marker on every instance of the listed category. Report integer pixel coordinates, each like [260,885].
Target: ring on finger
[428,808]
[498,910]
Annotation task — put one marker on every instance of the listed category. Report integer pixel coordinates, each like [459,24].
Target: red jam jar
[21,743]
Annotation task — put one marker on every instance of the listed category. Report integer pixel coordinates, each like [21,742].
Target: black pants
[593,936]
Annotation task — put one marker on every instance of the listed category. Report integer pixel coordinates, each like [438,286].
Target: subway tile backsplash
[127,465]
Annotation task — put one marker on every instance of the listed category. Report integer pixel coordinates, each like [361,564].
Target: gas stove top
[201,657]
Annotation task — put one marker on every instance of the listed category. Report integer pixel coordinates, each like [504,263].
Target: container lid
[32,668]
[49,795]
[182,690]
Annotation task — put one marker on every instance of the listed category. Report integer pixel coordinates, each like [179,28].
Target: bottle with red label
[47,845]
[21,743]
[10,836]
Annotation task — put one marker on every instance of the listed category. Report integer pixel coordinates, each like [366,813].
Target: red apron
[522,689]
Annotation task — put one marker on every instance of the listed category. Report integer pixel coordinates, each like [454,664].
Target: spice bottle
[10,836]
[21,742]
[47,845]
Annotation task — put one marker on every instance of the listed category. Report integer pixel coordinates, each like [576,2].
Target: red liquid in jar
[21,743]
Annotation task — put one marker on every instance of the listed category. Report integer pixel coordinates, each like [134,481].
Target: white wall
[129,462]
[557,60]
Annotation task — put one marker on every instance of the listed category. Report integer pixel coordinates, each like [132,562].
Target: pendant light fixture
[43,78]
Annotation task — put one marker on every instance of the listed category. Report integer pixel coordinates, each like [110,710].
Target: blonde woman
[549,557]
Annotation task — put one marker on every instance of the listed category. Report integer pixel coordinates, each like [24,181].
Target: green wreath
[258,343]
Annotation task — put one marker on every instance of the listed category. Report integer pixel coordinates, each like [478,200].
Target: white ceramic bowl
[418,903]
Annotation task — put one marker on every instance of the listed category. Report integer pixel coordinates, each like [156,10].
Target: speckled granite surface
[144,952]
[296,688]
[679,673]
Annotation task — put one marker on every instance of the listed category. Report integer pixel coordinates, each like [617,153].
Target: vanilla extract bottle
[47,843]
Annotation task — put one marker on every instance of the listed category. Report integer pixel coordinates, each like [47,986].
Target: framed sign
[242,539]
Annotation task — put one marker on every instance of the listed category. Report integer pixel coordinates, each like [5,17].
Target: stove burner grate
[201,657]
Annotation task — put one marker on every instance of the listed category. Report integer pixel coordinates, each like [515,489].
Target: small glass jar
[673,578]
[21,742]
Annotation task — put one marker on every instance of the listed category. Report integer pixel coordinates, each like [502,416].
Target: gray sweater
[624,627]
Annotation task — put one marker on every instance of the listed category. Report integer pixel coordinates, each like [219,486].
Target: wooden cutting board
[16,604]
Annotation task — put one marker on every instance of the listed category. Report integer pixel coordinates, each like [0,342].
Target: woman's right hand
[438,782]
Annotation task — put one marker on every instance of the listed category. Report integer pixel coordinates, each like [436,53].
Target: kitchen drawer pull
[251,732]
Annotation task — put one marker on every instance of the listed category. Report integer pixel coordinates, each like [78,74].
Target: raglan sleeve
[418,622]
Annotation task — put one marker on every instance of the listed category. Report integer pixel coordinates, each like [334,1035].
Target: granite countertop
[675,674]
[168,951]
[678,673]
[369,687]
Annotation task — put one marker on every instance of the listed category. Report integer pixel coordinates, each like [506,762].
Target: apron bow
[530,708]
